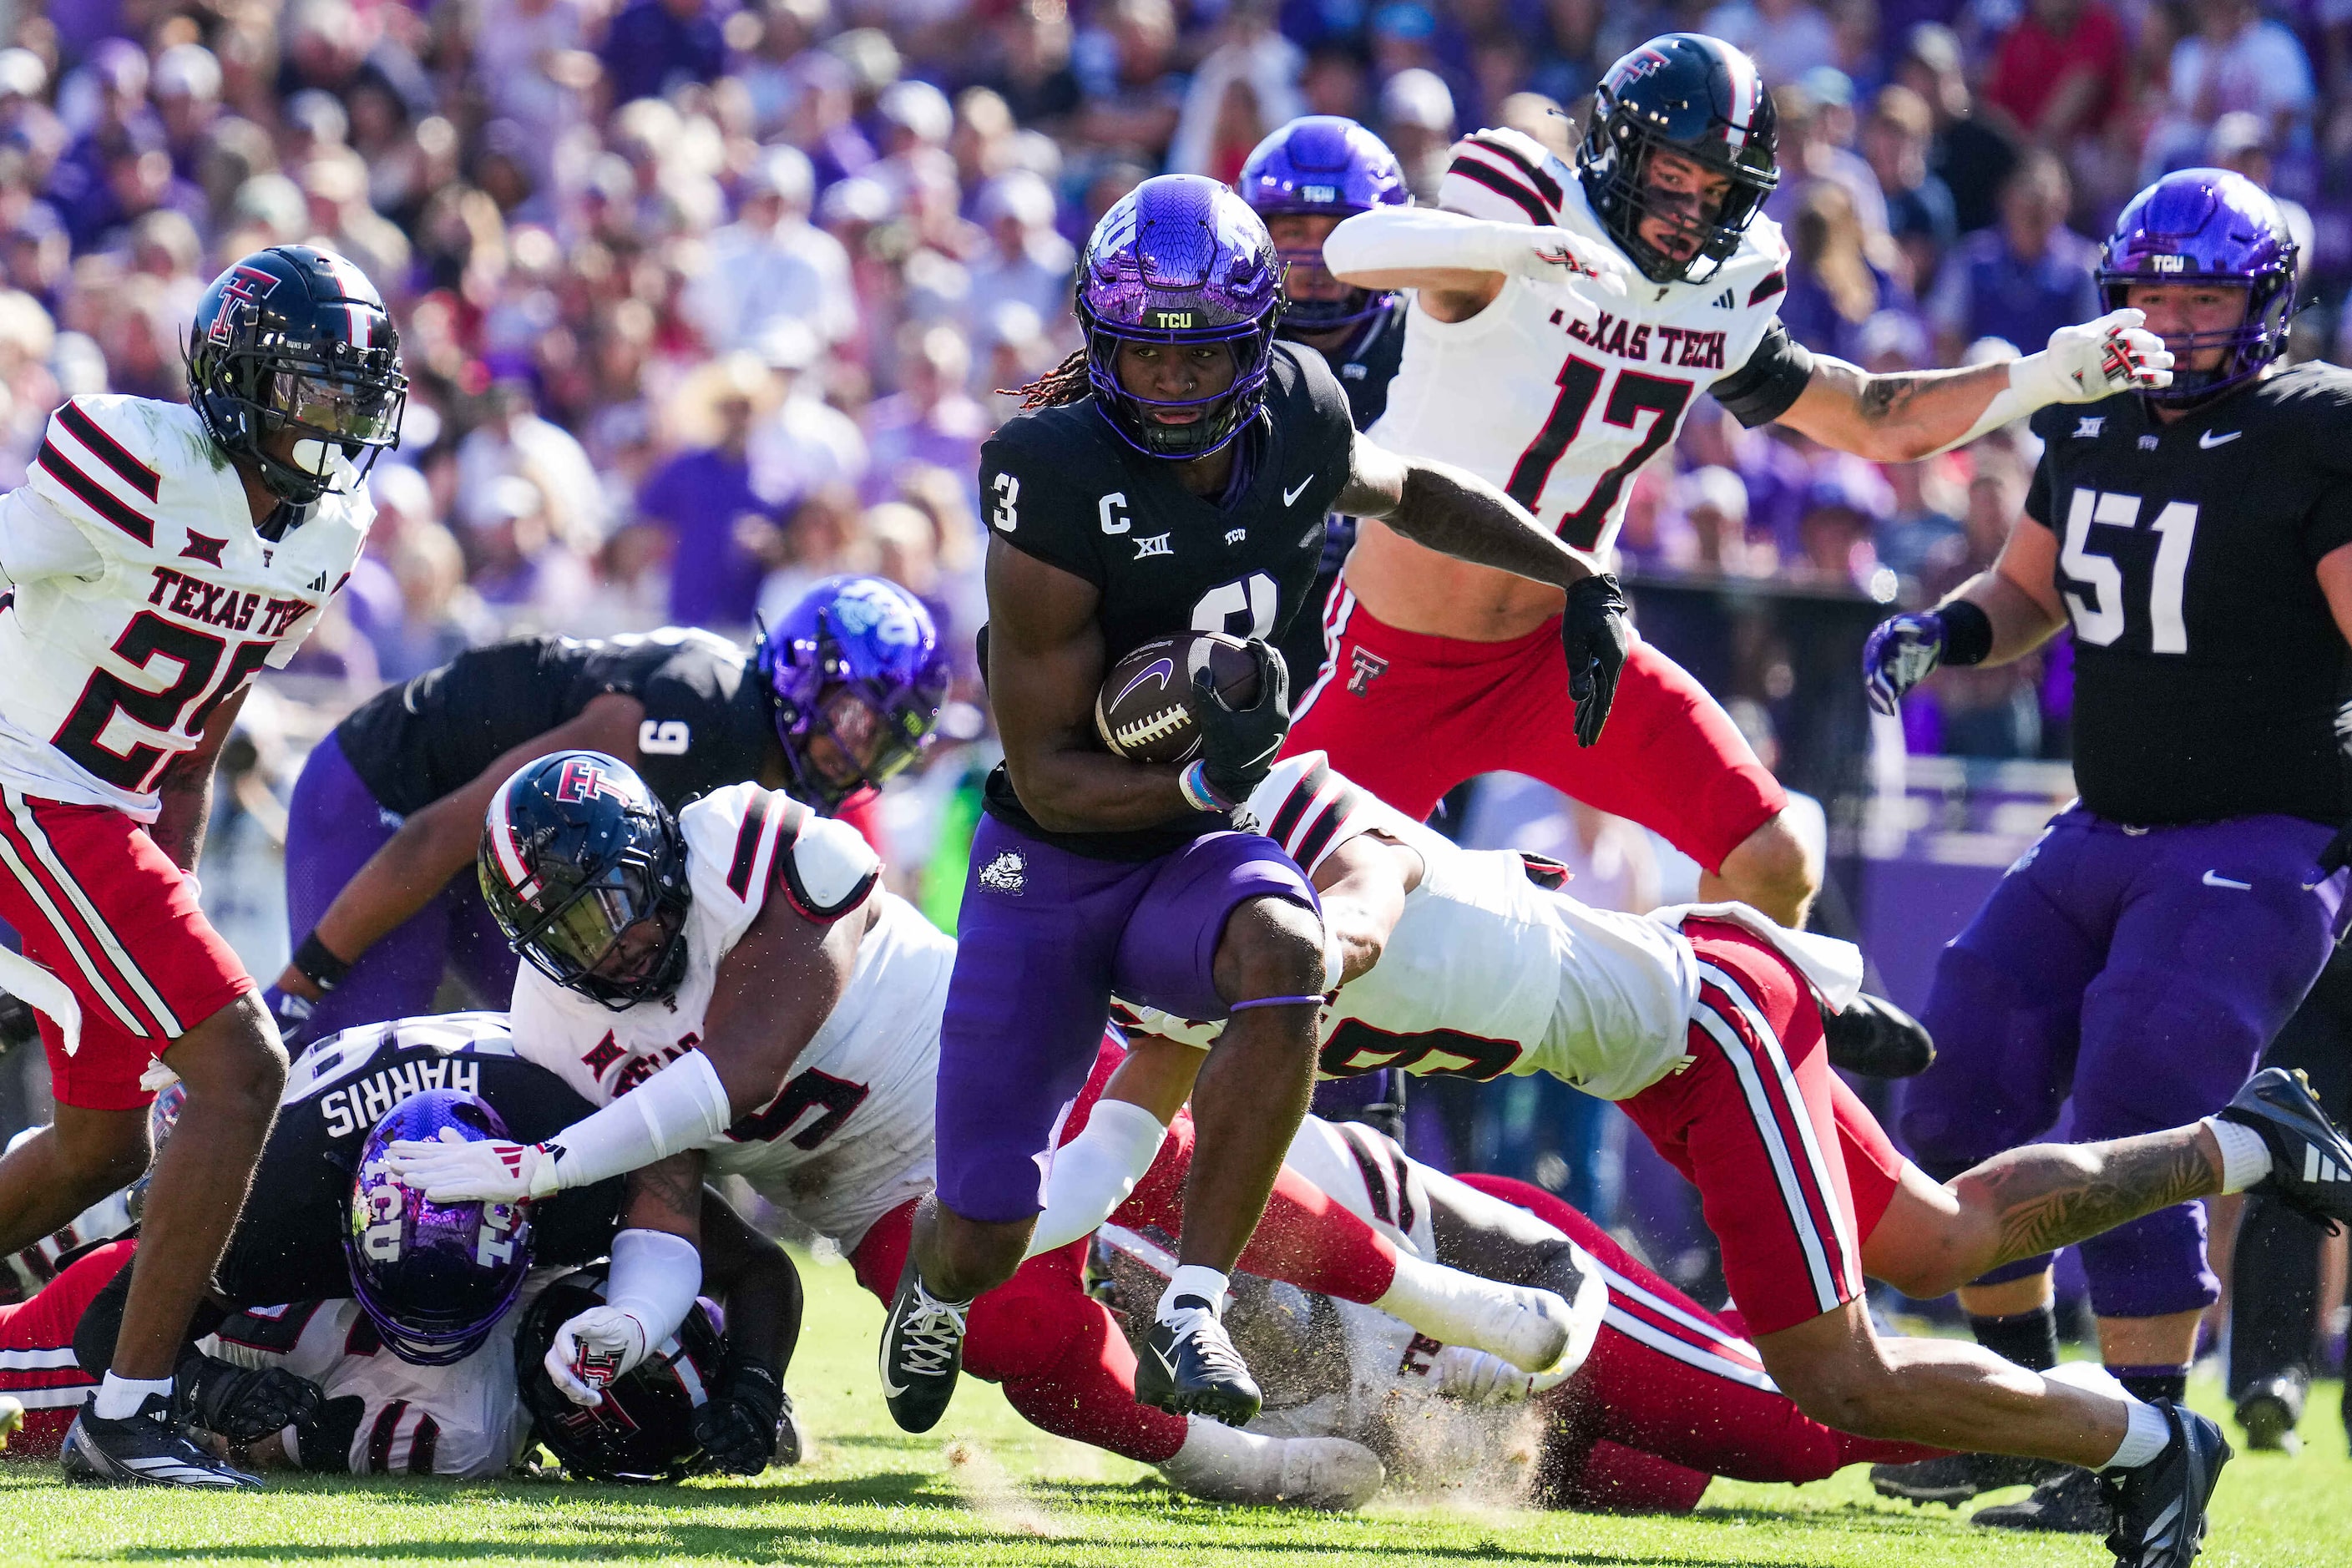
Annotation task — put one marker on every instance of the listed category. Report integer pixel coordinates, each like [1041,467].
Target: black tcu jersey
[706,721]
[289,1242]
[2208,672]
[1062,486]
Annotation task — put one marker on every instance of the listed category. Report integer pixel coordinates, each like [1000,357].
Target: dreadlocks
[1066,382]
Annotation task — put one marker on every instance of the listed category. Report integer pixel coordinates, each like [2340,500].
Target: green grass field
[989,1490]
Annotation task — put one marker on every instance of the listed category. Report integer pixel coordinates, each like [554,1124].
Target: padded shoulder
[829,870]
[100,464]
[1506,176]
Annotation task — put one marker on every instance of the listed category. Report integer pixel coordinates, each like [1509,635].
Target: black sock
[2029,1339]
[2153,1383]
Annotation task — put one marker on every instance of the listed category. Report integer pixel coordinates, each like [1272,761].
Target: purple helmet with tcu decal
[1179,260]
[2214,228]
[434,1278]
[857,665]
[1322,165]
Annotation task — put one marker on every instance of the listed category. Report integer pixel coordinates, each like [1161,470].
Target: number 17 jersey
[2209,673]
[1556,411]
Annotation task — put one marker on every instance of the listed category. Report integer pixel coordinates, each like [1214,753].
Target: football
[1144,710]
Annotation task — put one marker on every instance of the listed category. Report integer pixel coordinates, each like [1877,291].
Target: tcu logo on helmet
[247,286]
[582,779]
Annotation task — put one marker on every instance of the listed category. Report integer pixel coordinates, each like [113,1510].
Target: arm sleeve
[38,541]
[1029,507]
[1773,378]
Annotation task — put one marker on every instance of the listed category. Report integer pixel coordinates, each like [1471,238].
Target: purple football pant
[1043,938]
[332,826]
[2143,971]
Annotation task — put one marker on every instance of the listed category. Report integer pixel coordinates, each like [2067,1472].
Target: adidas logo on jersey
[2318,1167]
[1726,301]
[1008,873]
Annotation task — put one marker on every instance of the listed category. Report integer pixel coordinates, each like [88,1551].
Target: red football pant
[105,911]
[37,1358]
[1671,1395]
[1408,716]
[1793,1171]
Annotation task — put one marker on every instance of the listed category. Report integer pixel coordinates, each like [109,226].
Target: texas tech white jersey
[136,597]
[1487,971]
[1558,412]
[463,1419]
[848,1138]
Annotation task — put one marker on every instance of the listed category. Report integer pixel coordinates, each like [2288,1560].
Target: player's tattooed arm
[667,1195]
[1456,513]
[1894,418]
[184,793]
[1045,662]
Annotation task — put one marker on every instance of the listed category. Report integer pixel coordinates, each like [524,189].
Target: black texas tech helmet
[1693,95]
[293,338]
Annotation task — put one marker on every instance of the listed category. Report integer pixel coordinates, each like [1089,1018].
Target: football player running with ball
[1565,320]
[2142,952]
[1173,477]
[155,557]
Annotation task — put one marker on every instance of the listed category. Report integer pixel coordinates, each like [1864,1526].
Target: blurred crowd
[704,299]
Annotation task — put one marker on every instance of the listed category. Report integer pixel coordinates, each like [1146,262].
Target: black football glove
[743,1425]
[1238,744]
[243,1404]
[1596,637]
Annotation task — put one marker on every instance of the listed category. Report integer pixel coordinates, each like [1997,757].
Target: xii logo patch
[1363,668]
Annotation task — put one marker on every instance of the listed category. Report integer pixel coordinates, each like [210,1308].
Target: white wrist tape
[682,1107]
[655,1278]
[1094,1173]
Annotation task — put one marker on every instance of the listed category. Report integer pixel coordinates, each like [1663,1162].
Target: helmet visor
[854,744]
[610,930]
[339,409]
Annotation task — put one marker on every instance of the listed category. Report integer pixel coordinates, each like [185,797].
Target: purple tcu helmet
[434,1278]
[858,677]
[2207,226]
[1179,260]
[1322,165]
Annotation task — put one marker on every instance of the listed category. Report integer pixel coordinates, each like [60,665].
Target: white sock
[1193,1279]
[2245,1158]
[2144,1438]
[119,1396]
[1094,1173]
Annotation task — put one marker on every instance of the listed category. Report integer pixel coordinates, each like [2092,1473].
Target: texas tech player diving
[381,832]
[1173,475]
[2140,956]
[155,557]
[1703,1023]
[1564,320]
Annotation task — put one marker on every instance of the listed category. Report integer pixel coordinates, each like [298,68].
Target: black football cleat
[151,1448]
[1956,1478]
[922,1353]
[2311,1159]
[2268,1412]
[2069,1502]
[1189,1367]
[2160,1506]
[1874,1038]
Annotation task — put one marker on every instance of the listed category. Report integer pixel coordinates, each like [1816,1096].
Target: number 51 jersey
[847,1137]
[140,597]
[2209,673]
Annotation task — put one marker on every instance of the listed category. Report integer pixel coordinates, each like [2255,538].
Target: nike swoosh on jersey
[1291,497]
[2208,439]
[2215,879]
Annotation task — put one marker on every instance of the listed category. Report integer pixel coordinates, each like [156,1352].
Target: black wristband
[1968,633]
[318,961]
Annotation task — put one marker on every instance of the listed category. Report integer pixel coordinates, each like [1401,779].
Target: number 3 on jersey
[2098,611]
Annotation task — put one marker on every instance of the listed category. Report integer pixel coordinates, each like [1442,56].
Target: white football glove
[1555,255]
[453,1170]
[589,1352]
[1478,1377]
[2094,360]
